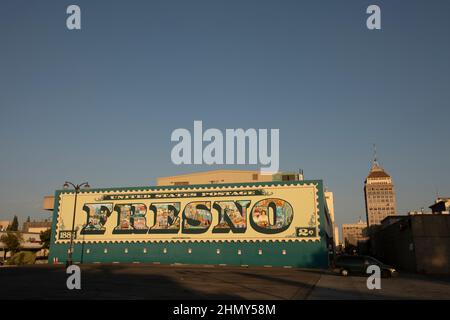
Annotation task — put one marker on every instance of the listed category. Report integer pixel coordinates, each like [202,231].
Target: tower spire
[375,160]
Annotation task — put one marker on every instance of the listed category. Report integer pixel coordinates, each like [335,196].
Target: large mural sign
[218,213]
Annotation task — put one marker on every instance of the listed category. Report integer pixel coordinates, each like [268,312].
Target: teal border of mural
[311,254]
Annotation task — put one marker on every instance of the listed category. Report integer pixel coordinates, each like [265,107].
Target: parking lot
[148,281]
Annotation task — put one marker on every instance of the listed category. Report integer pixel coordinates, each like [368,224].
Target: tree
[45,238]
[14,226]
[12,241]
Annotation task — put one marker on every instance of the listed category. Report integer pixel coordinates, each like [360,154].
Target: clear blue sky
[100,104]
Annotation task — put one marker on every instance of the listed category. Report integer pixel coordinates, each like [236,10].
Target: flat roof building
[274,223]
[352,233]
[226,176]
[441,205]
[36,226]
[414,243]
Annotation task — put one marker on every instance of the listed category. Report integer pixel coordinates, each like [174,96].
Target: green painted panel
[312,254]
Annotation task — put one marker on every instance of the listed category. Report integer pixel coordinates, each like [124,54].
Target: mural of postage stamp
[259,212]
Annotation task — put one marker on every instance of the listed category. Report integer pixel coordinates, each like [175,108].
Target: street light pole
[77,190]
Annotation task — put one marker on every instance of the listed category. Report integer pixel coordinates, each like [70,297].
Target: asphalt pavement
[151,281]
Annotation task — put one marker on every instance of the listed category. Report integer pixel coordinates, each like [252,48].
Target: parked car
[346,265]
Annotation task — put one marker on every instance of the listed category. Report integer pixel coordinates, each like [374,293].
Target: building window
[255,176]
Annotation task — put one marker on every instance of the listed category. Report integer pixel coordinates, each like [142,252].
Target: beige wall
[48,202]
[4,224]
[353,232]
[214,177]
[330,204]
[336,236]
[329,199]
[37,229]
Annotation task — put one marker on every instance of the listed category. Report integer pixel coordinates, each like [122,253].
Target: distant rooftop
[227,176]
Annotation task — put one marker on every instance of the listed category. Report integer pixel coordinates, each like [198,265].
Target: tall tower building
[379,194]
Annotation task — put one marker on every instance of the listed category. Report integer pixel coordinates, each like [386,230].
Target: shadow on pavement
[98,282]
